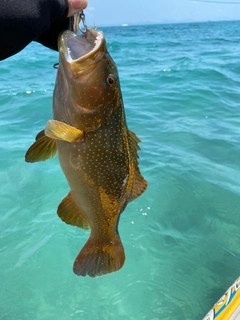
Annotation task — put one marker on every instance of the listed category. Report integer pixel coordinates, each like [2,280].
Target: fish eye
[111,80]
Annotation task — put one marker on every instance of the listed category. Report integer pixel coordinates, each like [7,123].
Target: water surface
[181,90]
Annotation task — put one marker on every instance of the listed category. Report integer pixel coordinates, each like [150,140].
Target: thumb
[76,6]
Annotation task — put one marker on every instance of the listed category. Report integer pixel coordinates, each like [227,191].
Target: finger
[76,6]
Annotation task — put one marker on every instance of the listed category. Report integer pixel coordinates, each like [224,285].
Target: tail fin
[97,258]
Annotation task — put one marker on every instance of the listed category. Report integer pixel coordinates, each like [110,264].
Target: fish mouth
[80,47]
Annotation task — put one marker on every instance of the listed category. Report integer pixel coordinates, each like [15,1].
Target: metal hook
[82,19]
[75,23]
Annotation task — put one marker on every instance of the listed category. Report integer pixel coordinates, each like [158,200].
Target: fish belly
[98,175]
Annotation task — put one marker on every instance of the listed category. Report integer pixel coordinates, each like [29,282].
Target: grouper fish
[97,151]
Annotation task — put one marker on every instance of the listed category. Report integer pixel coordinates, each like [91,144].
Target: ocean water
[181,89]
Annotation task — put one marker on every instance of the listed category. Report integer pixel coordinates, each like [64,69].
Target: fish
[97,152]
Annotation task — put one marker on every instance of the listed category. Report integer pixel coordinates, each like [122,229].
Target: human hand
[76,6]
[37,20]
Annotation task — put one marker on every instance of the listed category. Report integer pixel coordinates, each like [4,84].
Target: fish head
[90,79]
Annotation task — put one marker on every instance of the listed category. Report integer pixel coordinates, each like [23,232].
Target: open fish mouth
[80,47]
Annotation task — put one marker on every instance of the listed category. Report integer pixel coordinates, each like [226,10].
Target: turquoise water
[181,88]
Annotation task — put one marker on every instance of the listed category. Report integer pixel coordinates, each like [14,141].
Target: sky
[118,12]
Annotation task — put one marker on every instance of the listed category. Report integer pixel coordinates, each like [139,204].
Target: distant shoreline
[164,23]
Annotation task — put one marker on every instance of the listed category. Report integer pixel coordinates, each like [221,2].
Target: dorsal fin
[133,144]
[139,183]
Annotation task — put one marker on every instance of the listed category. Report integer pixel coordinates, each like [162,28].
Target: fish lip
[76,48]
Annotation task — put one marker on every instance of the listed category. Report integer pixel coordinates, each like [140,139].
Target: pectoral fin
[70,214]
[43,149]
[40,135]
[61,131]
